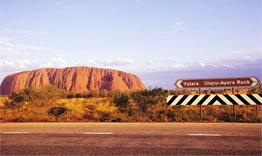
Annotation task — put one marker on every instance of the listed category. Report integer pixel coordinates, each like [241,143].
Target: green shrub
[91,115]
[86,95]
[158,113]
[46,96]
[16,99]
[225,116]
[121,100]
[146,97]
[70,95]
[93,93]
[79,95]
[104,116]
[39,97]
[56,111]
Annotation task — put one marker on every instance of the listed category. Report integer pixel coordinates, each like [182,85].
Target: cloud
[175,28]
[17,64]
[7,47]
[238,62]
[149,62]
[55,62]
[179,23]
[59,60]
[24,63]
[17,57]
[119,62]
[242,62]
[202,64]
[23,32]
[178,26]
[9,66]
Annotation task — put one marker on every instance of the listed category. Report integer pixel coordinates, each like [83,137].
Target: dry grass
[77,108]
[3,99]
[103,109]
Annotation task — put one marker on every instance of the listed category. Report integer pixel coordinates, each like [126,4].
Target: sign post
[234,111]
[200,106]
[256,112]
[200,112]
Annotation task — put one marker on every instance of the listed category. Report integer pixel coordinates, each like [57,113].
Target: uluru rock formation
[75,79]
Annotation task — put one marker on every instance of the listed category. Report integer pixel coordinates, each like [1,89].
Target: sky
[160,41]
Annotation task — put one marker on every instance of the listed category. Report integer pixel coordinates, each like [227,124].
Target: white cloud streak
[7,47]
[178,26]
[119,62]
[23,32]
[175,28]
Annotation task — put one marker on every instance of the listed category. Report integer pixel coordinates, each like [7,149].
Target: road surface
[130,139]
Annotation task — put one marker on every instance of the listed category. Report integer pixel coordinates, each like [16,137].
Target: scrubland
[53,105]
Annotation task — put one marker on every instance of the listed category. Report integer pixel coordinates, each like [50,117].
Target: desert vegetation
[51,104]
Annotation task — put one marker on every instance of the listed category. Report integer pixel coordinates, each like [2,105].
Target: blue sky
[139,36]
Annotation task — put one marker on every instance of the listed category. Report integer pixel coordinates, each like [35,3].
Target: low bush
[57,111]
[148,97]
[70,95]
[37,97]
[121,101]
[79,95]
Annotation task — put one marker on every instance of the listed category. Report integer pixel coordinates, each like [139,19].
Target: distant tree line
[88,94]
[106,93]
[236,90]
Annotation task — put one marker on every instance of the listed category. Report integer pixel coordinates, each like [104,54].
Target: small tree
[39,97]
[121,100]
[146,97]
[47,95]
[17,98]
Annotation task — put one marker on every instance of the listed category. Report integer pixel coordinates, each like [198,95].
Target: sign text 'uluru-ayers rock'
[74,79]
[218,82]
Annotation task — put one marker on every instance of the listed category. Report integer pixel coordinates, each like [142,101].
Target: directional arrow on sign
[255,81]
[178,83]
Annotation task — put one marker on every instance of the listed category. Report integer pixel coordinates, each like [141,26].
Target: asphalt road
[130,139]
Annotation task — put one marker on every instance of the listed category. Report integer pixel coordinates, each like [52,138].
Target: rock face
[75,79]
